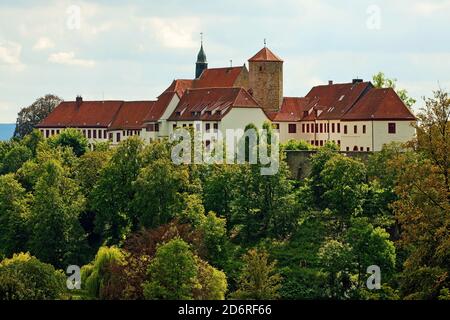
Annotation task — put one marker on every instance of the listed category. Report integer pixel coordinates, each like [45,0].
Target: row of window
[321,143]
[198,126]
[94,133]
[335,128]
[355,148]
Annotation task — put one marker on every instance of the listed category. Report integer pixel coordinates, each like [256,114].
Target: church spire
[202,62]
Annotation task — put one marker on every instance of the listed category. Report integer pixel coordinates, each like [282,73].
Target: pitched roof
[265,55]
[210,78]
[87,114]
[159,107]
[211,104]
[179,86]
[131,115]
[291,109]
[332,101]
[380,104]
[218,77]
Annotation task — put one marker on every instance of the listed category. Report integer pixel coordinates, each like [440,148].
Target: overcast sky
[132,50]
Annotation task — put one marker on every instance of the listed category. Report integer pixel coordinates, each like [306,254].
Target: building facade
[355,115]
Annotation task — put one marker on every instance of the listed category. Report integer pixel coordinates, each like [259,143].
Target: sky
[132,50]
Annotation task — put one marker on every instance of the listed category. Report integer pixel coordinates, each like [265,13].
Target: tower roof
[201,57]
[265,55]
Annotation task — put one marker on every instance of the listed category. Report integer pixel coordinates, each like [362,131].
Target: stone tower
[266,79]
[202,63]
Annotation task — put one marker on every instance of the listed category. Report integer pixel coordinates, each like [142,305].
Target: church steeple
[202,63]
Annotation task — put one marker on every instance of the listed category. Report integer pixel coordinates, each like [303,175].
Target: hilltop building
[355,115]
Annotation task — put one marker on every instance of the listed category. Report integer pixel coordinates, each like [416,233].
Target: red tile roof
[211,104]
[159,107]
[265,55]
[218,77]
[89,114]
[180,86]
[291,110]
[380,104]
[210,78]
[332,101]
[131,115]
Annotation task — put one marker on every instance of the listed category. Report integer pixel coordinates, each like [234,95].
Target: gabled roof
[210,78]
[179,86]
[218,77]
[380,104]
[131,115]
[86,114]
[211,104]
[159,107]
[265,55]
[332,101]
[291,110]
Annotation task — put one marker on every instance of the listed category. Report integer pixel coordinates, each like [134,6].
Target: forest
[141,227]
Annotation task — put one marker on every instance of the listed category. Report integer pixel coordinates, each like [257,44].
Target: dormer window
[305,113]
[218,112]
[178,113]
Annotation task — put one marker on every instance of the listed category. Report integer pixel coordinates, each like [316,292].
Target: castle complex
[354,115]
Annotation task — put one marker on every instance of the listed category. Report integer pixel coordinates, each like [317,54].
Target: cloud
[173,33]
[43,44]
[10,53]
[428,8]
[68,58]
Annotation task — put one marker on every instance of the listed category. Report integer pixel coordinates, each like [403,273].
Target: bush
[24,277]
[297,145]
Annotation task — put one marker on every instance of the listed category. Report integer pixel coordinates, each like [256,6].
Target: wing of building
[355,115]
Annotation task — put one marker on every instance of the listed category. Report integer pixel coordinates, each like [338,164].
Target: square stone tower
[266,79]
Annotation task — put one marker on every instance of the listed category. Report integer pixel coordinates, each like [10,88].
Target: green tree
[172,274]
[370,246]
[213,282]
[263,206]
[30,116]
[112,195]
[315,182]
[259,279]
[56,234]
[72,138]
[15,158]
[433,132]
[24,277]
[219,189]
[344,185]
[336,260]
[14,215]
[159,192]
[381,81]
[422,211]
[97,275]
[32,141]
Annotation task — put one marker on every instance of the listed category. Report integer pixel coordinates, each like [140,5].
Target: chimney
[330,82]
[355,81]
[79,101]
